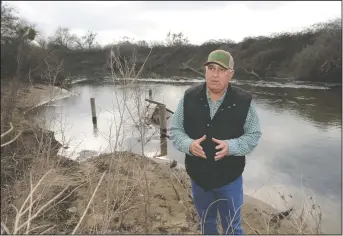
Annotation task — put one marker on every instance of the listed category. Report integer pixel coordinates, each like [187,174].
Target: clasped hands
[196,149]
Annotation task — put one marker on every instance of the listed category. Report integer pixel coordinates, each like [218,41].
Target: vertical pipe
[150,94]
[163,129]
[93,111]
[163,120]
[164,146]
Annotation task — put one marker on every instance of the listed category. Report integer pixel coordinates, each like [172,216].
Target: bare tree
[89,39]
[178,39]
[63,38]
[54,67]
[86,41]
[42,42]
[8,22]
[142,43]
[124,72]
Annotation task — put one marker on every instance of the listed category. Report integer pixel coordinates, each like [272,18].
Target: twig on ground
[90,201]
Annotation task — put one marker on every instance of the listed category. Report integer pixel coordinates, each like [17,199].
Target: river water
[299,154]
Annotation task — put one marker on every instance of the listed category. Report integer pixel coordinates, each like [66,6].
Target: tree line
[313,54]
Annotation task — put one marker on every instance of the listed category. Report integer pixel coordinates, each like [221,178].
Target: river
[299,154]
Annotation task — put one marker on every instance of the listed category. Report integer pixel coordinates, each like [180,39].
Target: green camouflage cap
[220,57]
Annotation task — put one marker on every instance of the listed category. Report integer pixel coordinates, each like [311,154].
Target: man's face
[217,77]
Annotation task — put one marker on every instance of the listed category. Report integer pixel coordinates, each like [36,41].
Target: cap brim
[216,62]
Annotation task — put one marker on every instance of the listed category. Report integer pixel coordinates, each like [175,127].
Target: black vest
[227,123]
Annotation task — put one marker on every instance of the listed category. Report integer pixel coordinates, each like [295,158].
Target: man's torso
[222,120]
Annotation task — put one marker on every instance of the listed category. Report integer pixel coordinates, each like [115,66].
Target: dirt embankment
[113,193]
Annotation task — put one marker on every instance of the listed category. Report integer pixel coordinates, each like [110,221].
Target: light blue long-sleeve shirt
[240,146]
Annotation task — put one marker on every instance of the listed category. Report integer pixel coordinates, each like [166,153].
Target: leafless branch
[252,73]
[195,71]
[90,201]
[7,132]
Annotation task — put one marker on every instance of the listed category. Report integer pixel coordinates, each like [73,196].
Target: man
[216,125]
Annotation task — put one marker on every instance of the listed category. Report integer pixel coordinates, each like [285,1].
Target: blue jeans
[228,200]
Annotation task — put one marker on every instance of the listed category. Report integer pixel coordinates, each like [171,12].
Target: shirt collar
[219,100]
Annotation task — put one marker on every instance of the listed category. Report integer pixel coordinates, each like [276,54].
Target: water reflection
[323,108]
[95,130]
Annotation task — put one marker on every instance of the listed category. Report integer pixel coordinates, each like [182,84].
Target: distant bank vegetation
[314,54]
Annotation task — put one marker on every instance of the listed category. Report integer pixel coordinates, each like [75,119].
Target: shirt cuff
[187,144]
[233,147]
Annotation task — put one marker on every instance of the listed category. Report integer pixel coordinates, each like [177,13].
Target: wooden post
[93,111]
[163,120]
[150,94]
[164,146]
[163,128]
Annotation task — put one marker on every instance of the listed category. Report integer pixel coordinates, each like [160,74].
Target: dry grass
[261,218]
[103,195]
[264,220]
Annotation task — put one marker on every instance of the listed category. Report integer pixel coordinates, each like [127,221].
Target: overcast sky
[199,21]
